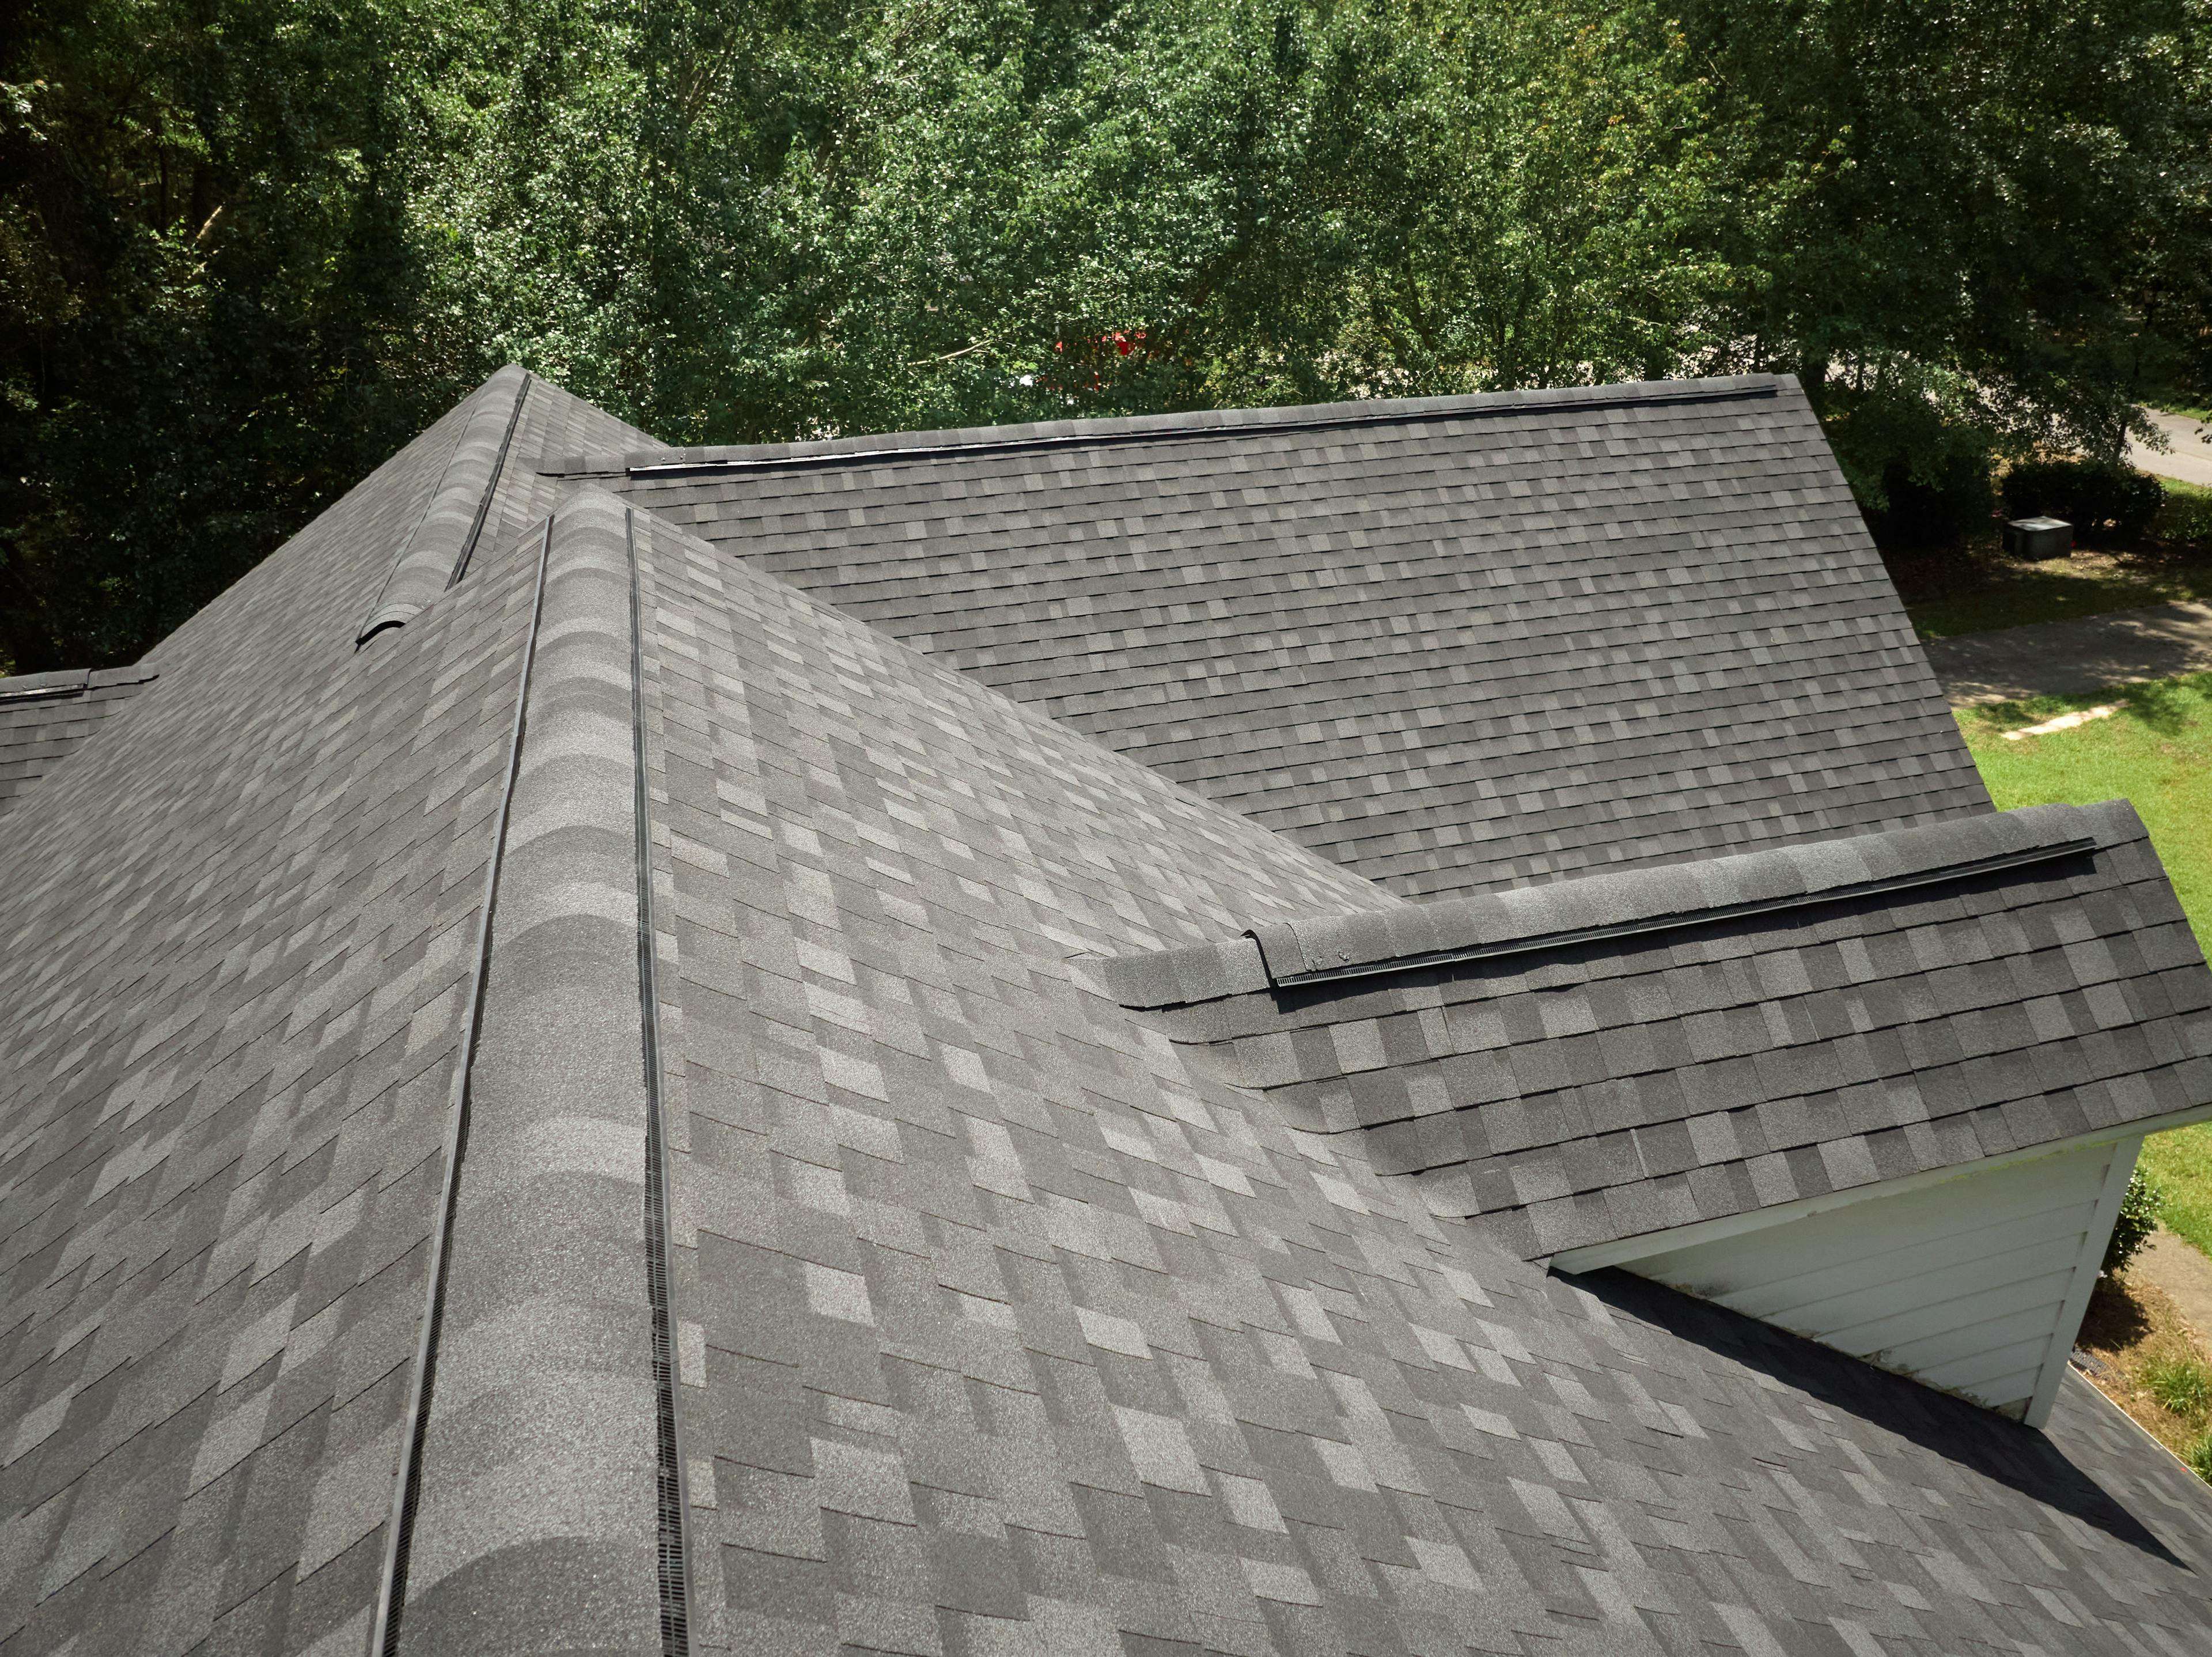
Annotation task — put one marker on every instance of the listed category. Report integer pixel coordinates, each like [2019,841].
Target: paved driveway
[2070,658]
[2191,456]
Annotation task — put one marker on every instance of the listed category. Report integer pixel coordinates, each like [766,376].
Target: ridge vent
[541,1482]
[1595,909]
[436,554]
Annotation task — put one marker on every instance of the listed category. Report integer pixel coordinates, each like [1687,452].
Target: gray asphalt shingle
[972,1251]
[1007,1318]
[1597,1059]
[45,717]
[238,919]
[1455,644]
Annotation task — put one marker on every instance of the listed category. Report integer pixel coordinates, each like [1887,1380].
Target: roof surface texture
[1451,644]
[676,1009]
[1604,1057]
[42,717]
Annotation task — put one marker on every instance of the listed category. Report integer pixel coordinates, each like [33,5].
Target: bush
[2185,521]
[2181,1384]
[2138,1219]
[2199,1457]
[2090,495]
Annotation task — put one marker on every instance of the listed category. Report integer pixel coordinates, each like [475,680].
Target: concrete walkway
[2190,457]
[2182,1272]
[2072,658]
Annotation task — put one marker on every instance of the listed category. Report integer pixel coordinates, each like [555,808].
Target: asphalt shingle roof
[42,717]
[237,919]
[999,1320]
[1015,1326]
[1452,644]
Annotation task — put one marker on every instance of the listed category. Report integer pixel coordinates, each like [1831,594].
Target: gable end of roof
[1601,1058]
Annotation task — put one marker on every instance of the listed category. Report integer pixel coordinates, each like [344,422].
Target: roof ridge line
[1595,909]
[436,552]
[1351,414]
[539,1322]
[69,682]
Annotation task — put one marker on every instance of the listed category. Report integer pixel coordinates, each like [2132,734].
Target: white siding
[1975,1285]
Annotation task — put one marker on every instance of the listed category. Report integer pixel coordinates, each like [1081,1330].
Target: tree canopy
[248,246]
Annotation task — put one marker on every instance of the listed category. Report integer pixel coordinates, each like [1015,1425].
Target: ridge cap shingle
[1587,907]
[435,555]
[538,1340]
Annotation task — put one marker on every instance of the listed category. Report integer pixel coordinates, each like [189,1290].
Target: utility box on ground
[2039,538]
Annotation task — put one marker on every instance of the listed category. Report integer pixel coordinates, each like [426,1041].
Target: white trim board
[2085,1270]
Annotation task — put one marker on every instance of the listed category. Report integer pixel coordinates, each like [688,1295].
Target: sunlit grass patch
[2181,1162]
[2155,751]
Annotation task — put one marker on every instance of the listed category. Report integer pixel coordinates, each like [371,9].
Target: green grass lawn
[2181,1163]
[2157,752]
[2181,405]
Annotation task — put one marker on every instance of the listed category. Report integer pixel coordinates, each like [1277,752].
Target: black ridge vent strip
[673,1497]
[491,485]
[1546,942]
[887,456]
[399,1529]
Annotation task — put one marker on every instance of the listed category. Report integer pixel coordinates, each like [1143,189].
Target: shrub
[2138,1218]
[2181,1384]
[2199,1457]
[2186,520]
[2090,495]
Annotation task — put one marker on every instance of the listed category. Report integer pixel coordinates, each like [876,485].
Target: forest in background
[248,247]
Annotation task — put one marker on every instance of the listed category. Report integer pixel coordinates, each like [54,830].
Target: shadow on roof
[2020,1458]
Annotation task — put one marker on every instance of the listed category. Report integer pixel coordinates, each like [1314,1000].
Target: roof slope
[1010,1326]
[1452,644]
[238,925]
[1603,1057]
[1000,1322]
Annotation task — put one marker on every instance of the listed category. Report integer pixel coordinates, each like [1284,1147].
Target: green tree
[203,263]
[248,246]
[1991,204]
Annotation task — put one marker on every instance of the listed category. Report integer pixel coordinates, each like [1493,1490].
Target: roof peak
[436,554]
[1354,414]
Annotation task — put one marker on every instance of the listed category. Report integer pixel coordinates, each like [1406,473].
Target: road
[2190,459]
